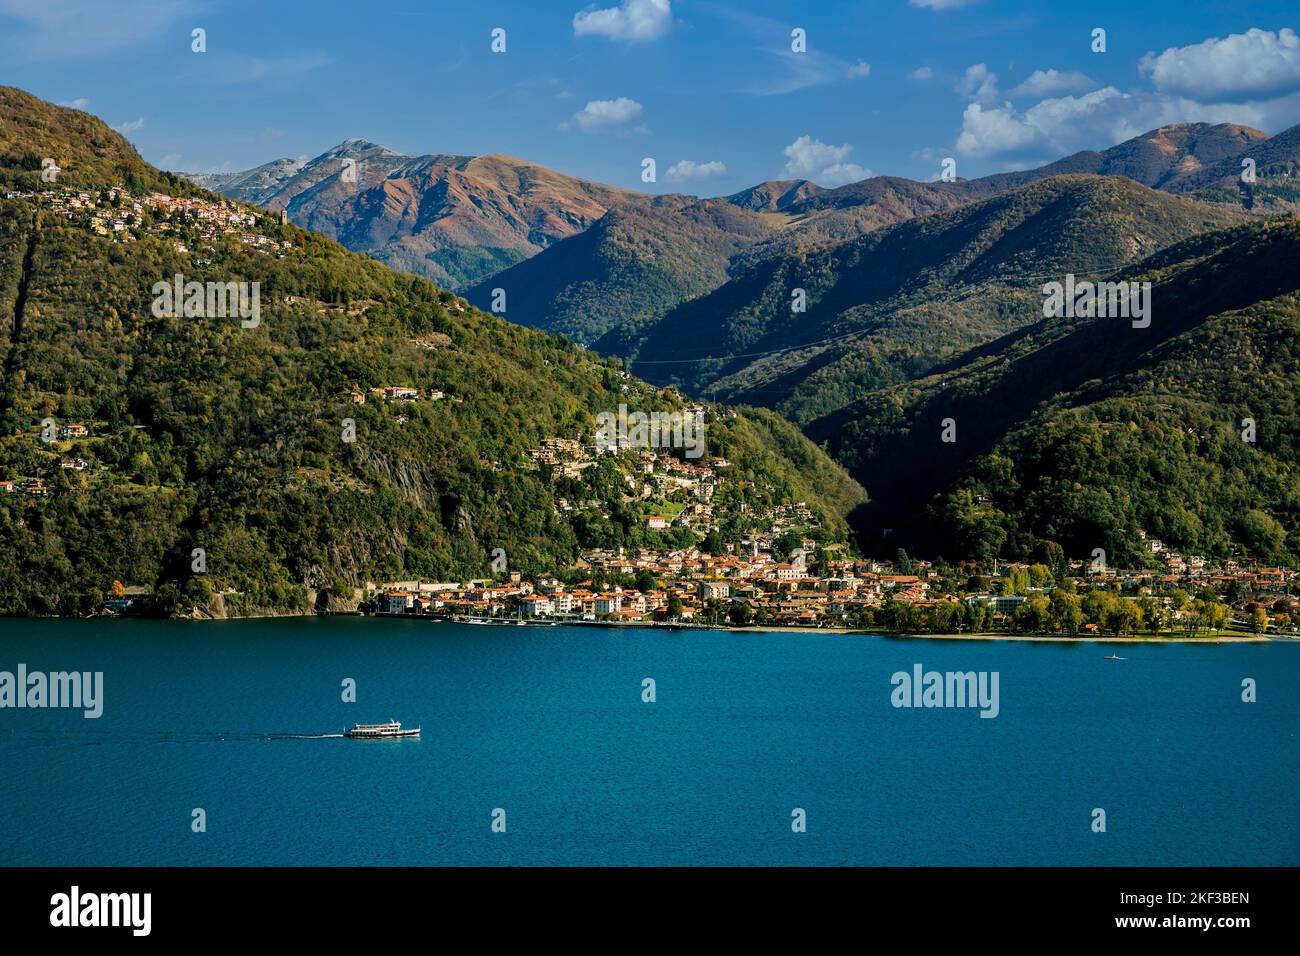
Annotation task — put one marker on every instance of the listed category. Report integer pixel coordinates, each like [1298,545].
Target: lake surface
[549,725]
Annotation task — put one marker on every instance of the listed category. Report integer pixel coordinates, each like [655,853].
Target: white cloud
[130,127]
[841,174]
[997,130]
[1096,120]
[978,84]
[80,103]
[808,158]
[601,116]
[1257,64]
[630,20]
[1042,83]
[859,69]
[940,4]
[1233,81]
[689,169]
[921,73]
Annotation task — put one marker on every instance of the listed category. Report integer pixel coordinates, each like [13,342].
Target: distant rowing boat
[374,731]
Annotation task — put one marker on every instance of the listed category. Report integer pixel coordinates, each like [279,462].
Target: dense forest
[635,262]
[889,306]
[1079,434]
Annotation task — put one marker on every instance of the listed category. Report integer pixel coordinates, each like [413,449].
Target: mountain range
[885,307]
[475,224]
[919,364]
[452,219]
[133,438]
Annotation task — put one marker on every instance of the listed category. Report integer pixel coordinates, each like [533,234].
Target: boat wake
[216,735]
[238,736]
[160,737]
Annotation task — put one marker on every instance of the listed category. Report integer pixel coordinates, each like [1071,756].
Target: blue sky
[711,88]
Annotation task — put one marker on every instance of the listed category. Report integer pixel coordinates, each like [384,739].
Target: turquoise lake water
[549,725]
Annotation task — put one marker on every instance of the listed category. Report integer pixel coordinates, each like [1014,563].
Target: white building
[537,606]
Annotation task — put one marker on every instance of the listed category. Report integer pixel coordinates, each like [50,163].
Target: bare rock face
[453,219]
[329,601]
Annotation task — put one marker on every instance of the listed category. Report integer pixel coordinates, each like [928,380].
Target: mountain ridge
[447,217]
[464,221]
[924,288]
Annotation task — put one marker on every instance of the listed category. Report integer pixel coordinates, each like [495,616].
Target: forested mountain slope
[133,436]
[1081,432]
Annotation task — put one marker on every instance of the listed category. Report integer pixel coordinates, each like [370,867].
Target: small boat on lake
[1112,657]
[374,731]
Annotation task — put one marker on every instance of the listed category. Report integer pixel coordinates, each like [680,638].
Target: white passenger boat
[391,729]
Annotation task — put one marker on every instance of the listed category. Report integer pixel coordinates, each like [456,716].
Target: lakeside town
[757,587]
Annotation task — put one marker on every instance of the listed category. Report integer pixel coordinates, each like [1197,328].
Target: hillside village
[115,213]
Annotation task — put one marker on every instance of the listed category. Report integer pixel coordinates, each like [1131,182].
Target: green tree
[1121,617]
[674,607]
[1065,611]
[783,546]
[1016,583]
[1034,614]
[1040,576]
[1096,604]
[741,615]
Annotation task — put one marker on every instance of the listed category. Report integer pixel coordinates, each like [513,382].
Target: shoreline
[848,631]
[995,636]
[1062,639]
[752,629]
